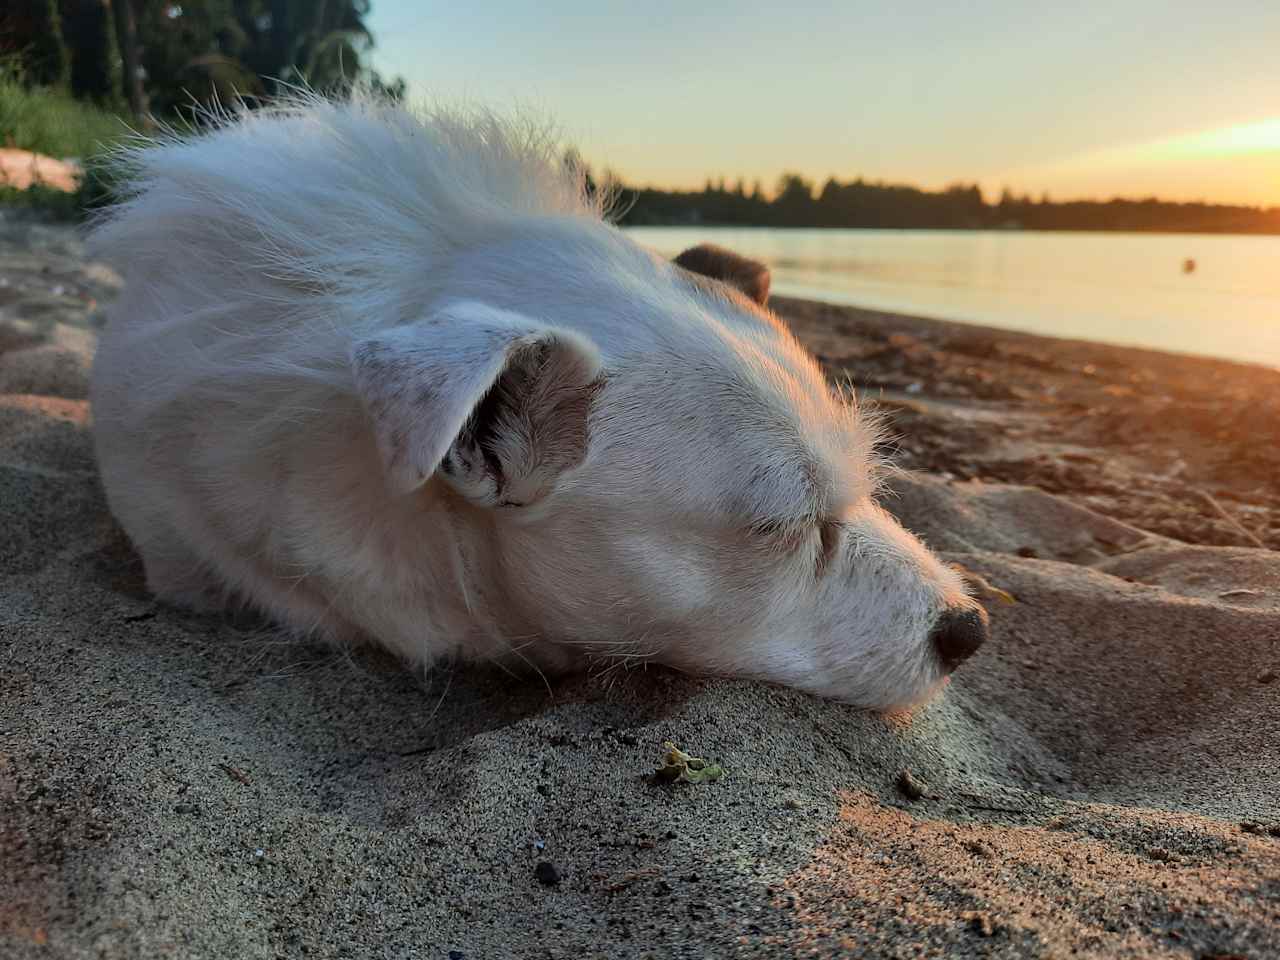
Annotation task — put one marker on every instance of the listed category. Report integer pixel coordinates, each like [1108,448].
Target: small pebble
[1268,676]
[981,923]
[910,787]
[979,849]
[546,873]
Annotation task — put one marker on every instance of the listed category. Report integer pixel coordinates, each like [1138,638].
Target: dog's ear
[496,401]
[749,276]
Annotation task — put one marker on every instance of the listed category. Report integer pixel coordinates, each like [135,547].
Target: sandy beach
[1102,780]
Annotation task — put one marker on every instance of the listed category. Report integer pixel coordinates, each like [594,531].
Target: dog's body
[394,377]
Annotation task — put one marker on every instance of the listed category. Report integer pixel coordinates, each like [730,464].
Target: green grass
[51,122]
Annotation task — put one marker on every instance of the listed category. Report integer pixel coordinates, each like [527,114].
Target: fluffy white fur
[392,376]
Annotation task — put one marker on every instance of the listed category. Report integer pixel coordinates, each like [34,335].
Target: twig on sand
[234,774]
[1235,524]
[627,879]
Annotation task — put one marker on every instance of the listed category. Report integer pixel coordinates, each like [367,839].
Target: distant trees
[860,203]
[796,204]
[126,25]
[793,202]
[89,33]
[162,54]
[292,42]
[31,33]
[214,50]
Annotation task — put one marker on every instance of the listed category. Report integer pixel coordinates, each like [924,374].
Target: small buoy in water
[1188,265]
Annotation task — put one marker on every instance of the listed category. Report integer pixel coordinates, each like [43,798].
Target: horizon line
[770,194]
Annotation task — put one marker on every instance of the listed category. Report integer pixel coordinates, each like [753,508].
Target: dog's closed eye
[788,536]
[783,535]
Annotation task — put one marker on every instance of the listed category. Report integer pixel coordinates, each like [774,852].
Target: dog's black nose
[958,634]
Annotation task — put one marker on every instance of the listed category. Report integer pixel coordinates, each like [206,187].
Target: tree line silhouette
[860,203]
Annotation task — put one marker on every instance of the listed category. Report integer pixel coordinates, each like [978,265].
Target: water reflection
[1116,287]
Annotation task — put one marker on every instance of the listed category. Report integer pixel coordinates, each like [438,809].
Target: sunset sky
[1130,97]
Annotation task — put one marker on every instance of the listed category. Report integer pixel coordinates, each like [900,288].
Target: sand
[1100,781]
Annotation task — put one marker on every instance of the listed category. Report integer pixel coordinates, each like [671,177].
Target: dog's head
[649,466]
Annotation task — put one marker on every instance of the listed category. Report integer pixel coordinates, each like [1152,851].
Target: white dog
[392,376]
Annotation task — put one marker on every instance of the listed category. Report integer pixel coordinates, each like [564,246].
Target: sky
[1131,97]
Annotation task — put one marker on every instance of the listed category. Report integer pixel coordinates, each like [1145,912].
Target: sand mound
[174,785]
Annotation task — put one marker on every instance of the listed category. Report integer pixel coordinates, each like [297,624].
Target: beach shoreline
[1171,442]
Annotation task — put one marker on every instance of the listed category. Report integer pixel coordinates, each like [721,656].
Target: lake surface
[1126,288]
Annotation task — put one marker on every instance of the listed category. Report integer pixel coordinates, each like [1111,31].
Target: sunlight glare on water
[1125,288]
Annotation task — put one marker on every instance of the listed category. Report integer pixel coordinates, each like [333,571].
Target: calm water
[1118,287]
